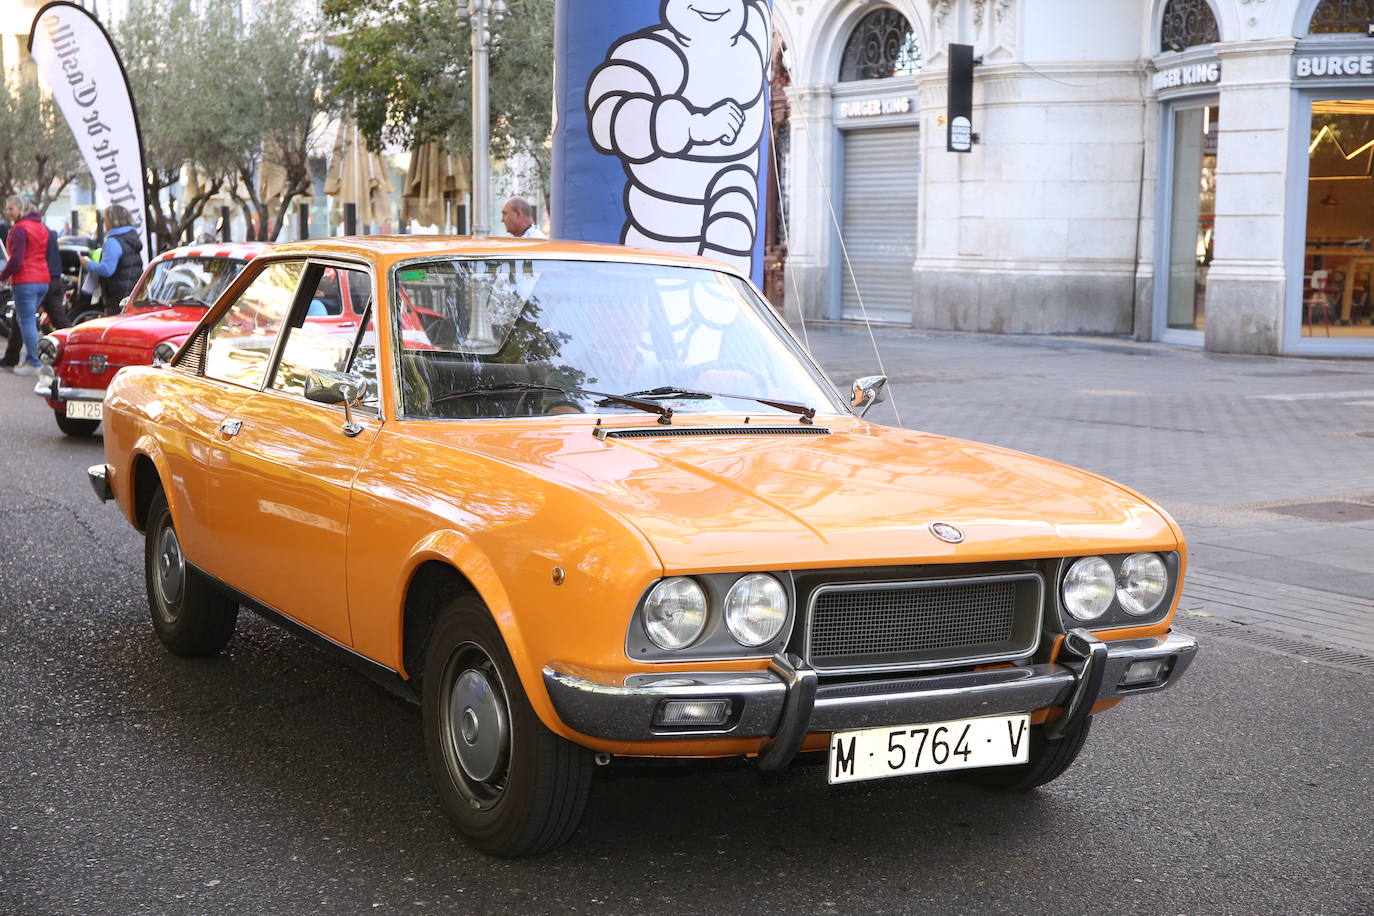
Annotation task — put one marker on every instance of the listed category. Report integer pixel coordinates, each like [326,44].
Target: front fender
[455,549]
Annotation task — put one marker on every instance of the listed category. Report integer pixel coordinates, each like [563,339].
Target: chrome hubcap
[482,729]
[171,568]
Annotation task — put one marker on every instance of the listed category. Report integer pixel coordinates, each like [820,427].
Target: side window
[327,300]
[359,290]
[321,341]
[239,345]
[364,360]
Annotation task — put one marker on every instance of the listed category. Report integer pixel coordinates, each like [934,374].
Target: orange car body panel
[334,544]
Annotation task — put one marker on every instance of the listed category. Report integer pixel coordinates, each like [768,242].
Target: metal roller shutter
[881,172]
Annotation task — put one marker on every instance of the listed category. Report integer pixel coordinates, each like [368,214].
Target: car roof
[385,250]
[243,251]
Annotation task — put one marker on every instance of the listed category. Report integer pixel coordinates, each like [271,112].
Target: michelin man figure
[682,104]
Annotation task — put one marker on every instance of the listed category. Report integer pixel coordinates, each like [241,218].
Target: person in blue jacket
[121,258]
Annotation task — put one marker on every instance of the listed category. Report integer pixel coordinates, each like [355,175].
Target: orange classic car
[603,505]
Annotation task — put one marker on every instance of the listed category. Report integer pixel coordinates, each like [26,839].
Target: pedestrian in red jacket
[27,271]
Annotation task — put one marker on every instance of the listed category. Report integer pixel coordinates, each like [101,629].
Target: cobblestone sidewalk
[1267,463]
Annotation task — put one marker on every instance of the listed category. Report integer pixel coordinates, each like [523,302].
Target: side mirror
[867,392]
[328,387]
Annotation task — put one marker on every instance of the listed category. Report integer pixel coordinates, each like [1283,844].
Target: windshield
[496,331]
[189,281]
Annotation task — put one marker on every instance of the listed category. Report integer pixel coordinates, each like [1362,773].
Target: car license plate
[83,410]
[960,744]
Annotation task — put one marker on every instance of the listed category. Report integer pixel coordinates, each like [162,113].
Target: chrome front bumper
[787,702]
[99,475]
[49,387]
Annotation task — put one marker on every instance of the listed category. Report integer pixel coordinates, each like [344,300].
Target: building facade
[1194,171]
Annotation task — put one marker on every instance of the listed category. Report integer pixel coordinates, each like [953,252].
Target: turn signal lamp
[692,712]
[1145,673]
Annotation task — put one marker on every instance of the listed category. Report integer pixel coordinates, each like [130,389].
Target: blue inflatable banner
[661,138]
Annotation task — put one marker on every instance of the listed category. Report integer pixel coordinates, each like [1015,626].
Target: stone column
[1246,280]
[810,226]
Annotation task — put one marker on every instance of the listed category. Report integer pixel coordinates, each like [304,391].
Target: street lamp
[480,16]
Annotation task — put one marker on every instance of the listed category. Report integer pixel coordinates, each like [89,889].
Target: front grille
[886,625]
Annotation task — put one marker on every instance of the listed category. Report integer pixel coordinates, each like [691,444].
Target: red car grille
[75,369]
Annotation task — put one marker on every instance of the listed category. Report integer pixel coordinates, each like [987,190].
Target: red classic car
[170,299]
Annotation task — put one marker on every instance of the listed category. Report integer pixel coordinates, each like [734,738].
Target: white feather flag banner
[83,70]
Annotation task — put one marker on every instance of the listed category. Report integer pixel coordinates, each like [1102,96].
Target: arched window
[1187,23]
[1337,16]
[881,45]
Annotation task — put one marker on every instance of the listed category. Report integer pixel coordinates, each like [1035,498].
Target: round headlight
[755,609]
[163,353]
[1088,588]
[48,350]
[675,613]
[1141,584]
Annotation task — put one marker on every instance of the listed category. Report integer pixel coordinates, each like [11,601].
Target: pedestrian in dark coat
[121,258]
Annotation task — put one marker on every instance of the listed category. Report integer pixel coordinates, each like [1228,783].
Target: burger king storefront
[1330,199]
[1263,210]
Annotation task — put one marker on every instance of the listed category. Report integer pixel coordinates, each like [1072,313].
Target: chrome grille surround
[923,623]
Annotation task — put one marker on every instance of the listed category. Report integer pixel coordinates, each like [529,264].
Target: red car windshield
[187,281]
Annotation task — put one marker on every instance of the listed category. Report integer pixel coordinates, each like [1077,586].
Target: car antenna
[792,102]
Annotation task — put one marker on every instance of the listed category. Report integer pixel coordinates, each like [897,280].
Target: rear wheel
[1048,760]
[75,427]
[189,615]
[510,785]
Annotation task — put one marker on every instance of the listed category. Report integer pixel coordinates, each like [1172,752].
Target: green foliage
[38,155]
[404,64]
[217,91]
[284,77]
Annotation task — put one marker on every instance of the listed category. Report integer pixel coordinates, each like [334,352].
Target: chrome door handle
[230,428]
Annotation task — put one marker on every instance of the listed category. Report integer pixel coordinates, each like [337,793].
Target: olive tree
[285,96]
[403,68]
[38,155]
[185,102]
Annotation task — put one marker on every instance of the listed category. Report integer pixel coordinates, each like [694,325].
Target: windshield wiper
[665,414]
[673,391]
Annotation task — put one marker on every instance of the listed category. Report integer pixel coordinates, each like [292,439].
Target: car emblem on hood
[946,532]
[99,362]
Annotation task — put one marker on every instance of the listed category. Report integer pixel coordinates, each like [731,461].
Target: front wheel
[1048,760]
[72,427]
[508,784]
[189,615]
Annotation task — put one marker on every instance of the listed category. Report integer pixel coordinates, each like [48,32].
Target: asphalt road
[274,780]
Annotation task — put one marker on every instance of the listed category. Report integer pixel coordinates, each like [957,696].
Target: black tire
[86,315]
[189,616]
[75,427]
[1048,760]
[509,785]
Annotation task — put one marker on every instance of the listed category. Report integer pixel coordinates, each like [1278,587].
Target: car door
[231,356]
[284,492]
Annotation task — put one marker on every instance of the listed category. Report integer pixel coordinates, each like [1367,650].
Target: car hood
[138,327]
[861,493]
